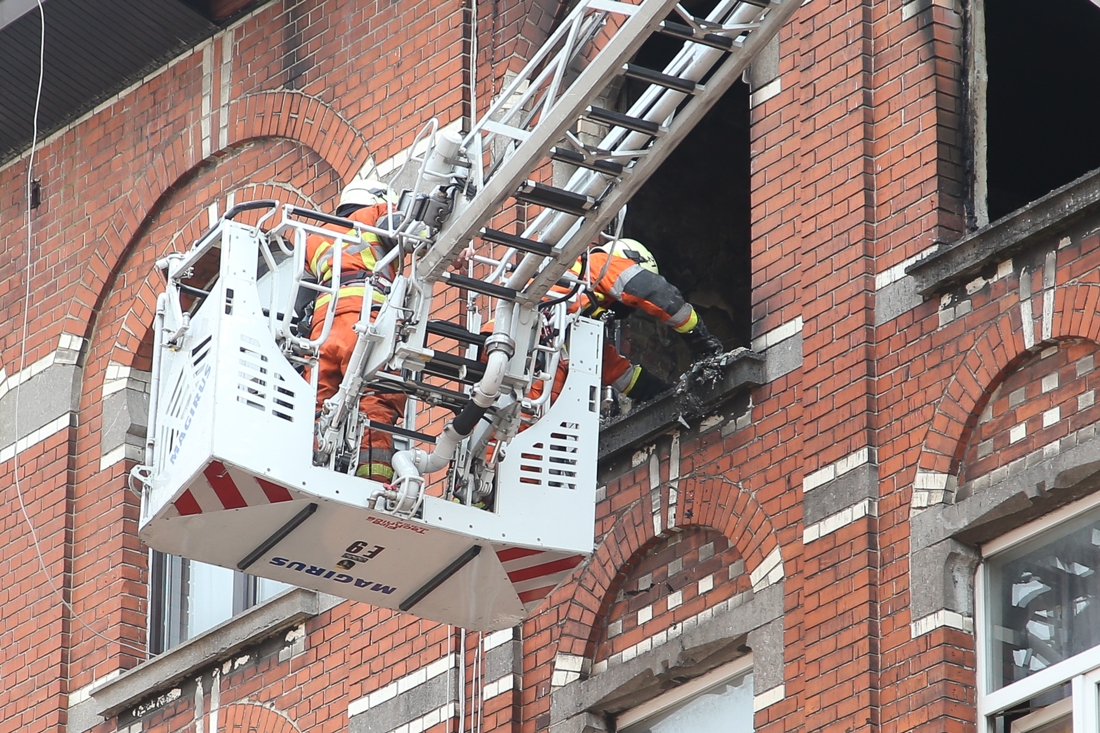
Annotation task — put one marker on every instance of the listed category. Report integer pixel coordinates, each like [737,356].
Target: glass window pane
[209,596]
[267,588]
[1044,600]
[1052,708]
[188,597]
[1061,724]
[724,708]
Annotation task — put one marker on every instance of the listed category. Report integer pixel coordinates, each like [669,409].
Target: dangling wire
[29,272]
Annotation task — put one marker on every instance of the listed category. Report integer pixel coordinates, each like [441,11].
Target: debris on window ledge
[165,670]
[699,393]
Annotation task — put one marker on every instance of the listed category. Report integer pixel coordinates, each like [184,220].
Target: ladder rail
[692,62]
[550,229]
[549,130]
[576,32]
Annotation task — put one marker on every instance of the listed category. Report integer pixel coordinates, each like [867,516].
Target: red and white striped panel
[220,487]
[535,573]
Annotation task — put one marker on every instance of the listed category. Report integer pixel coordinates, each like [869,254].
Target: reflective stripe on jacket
[356,257]
[622,280]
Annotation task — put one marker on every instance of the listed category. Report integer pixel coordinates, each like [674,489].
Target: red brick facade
[857,167]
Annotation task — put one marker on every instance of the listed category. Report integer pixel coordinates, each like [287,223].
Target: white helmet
[365,192]
[631,249]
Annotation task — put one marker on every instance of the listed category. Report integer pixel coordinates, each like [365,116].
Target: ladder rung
[434,395]
[514,240]
[447,372]
[479,286]
[540,194]
[451,331]
[678,30]
[394,430]
[475,370]
[599,114]
[438,368]
[641,73]
[572,157]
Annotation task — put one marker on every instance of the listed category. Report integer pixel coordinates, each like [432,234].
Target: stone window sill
[278,614]
[996,242]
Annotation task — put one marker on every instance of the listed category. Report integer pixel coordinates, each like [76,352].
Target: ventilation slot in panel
[259,386]
[181,401]
[253,378]
[200,351]
[555,463]
[563,456]
[172,422]
[282,400]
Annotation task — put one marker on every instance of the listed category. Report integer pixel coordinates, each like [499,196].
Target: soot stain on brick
[295,62]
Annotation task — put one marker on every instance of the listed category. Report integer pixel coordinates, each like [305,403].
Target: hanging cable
[29,273]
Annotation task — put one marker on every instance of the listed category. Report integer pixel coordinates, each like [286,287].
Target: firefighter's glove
[702,343]
[646,386]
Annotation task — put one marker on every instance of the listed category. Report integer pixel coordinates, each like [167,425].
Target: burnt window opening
[693,214]
[1037,131]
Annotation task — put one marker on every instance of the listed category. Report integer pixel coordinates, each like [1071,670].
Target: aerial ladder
[241,472]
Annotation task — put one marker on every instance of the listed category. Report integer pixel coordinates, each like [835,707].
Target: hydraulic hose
[415,462]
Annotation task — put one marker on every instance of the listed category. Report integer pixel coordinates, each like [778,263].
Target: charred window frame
[1032,72]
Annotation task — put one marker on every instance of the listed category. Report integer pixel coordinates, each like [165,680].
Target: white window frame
[1042,717]
[684,692]
[1082,670]
[1086,700]
[243,587]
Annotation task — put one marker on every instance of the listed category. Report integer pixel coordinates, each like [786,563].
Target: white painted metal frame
[1086,702]
[684,692]
[231,466]
[1083,706]
[1039,526]
[1083,669]
[1042,717]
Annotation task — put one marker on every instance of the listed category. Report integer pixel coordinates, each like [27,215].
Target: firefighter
[366,202]
[624,276]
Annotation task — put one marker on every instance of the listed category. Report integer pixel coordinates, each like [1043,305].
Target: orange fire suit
[357,262]
[617,279]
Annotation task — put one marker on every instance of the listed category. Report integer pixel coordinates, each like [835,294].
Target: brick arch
[137,284]
[707,502]
[303,118]
[996,352]
[120,322]
[289,115]
[245,716]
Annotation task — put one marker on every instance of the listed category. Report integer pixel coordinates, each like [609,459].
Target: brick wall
[785,523]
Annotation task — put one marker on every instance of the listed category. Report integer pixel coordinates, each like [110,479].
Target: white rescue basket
[230,478]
